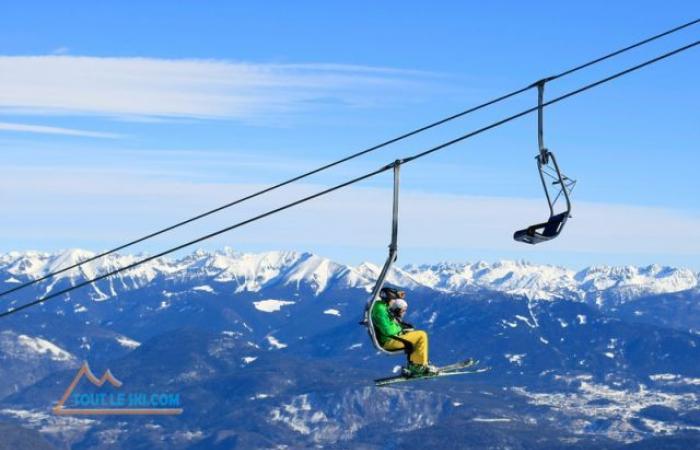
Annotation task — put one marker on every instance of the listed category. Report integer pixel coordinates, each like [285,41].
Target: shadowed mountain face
[265,350]
[15,437]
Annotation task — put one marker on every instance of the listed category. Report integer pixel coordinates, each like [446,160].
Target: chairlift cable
[555,100]
[347,158]
[11,311]
[194,241]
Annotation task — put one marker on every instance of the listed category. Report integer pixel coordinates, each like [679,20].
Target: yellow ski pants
[419,339]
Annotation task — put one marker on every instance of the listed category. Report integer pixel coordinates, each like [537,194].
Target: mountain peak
[252,272]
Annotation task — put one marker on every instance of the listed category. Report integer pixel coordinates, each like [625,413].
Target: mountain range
[265,351]
[255,272]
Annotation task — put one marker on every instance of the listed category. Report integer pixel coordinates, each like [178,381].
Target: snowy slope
[620,284]
[251,320]
[514,277]
[25,359]
[21,346]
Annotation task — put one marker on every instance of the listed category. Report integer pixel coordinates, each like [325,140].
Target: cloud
[190,88]
[60,51]
[41,129]
[111,207]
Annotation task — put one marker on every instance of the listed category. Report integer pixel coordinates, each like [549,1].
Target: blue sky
[119,118]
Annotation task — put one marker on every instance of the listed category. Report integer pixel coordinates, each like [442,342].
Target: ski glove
[405,326]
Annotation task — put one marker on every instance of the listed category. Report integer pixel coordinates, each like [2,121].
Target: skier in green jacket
[395,334]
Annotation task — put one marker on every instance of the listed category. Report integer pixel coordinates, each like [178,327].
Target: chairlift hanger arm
[393,245]
[393,255]
[395,209]
[540,121]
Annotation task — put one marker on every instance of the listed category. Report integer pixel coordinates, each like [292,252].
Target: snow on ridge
[629,281]
[367,274]
[516,359]
[127,342]
[274,343]
[547,282]
[43,347]
[513,277]
[48,423]
[31,265]
[252,272]
[491,419]
[271,305]
[671,378]
[204,288]
[314,270]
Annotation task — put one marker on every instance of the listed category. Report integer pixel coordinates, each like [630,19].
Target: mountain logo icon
[119,403]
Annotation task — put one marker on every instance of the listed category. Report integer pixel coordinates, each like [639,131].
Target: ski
[459,365]
[452,369]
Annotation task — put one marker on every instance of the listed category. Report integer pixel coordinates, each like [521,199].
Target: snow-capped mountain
[265,349]
[27,359]
[628,282]
[542,282]
[27,347]
[253,272]
[518,278]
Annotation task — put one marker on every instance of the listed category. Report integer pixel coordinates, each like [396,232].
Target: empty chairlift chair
[555,184]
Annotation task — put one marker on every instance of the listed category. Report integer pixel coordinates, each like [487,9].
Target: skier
[395,334]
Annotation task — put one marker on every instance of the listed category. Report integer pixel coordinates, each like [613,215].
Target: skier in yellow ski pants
[419,340]
[394,334]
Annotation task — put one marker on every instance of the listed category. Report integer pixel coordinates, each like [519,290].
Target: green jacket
[384,324]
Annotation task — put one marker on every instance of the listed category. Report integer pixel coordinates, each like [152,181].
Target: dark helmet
[388,293]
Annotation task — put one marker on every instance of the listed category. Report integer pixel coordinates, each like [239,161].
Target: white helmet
[397,305]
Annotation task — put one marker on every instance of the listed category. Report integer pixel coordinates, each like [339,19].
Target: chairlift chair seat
[550,230]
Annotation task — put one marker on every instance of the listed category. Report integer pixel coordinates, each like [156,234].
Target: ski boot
[419,370]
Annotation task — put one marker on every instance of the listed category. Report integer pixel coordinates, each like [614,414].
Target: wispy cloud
[119,207]
[41,129]
[160,88]
[60,51]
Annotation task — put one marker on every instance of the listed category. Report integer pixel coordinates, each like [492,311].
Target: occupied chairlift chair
[552,181]
[393,248]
